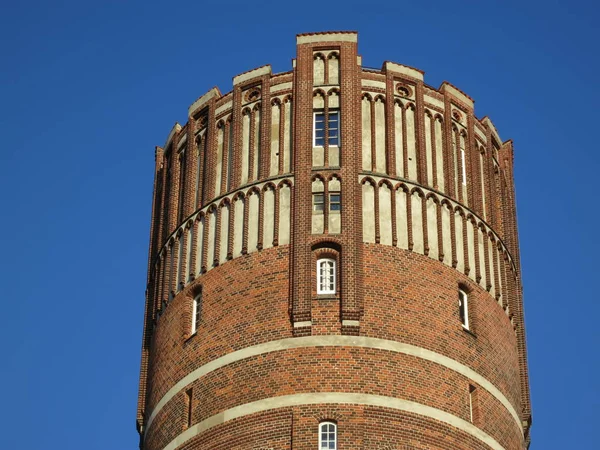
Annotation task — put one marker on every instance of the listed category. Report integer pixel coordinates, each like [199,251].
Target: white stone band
[326,37]
[335,341]
[338,398]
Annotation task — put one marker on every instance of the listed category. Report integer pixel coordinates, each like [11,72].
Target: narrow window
[335,201]
[196,312]
[319,137]
[471,403]
[463,308]
[325,276]
[333,128]
[189,411]
[318,202]
[327,436]
[334,125]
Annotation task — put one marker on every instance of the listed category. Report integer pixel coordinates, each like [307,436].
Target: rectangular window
[471,401]
[334,125]
[463,308]
[335,201]
[333,128]
[325,276]
[318,202]
[196,313]
[189,399]
[319,129]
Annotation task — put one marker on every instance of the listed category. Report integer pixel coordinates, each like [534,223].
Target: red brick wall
[383,292]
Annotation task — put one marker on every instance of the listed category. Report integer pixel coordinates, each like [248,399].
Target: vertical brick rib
[282,154]
[411,243]
[404,141]
[440,232]
[252,144]
[434,179]
[449,181]
[453,236]
[390,129]
[236,167]
[225,157]
[373,140]
[486,258]
[190,169]
[424,225]
[265,130]
[465,238]
[420,129]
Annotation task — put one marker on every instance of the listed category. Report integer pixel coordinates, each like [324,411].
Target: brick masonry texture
[233,227]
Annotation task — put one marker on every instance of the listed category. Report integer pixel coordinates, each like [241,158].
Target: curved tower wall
[411,198]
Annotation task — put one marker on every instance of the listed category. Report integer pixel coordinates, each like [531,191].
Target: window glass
[463,308]
[333,128]
[318,202]
[335,201]
[196,312]
[333,125]
[326,276]
[328,436]
[319,129]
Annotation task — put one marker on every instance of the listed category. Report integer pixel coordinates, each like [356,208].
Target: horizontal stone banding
[335,341]
[332,398]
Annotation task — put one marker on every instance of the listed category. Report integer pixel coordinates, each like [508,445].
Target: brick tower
[334,264]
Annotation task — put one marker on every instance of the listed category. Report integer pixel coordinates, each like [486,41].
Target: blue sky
[88,89]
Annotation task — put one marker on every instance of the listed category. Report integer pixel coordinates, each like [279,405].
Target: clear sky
[87,89]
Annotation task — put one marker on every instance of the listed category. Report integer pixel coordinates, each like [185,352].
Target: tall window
[335,203]
[326,276]
[189,398]
[196,312]
[319,202]
[463,308]
[327,436]
[333,128]
[472,403]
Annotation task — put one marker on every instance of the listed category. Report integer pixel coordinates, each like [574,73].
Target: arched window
[327,436]
[196,312]
[326,276]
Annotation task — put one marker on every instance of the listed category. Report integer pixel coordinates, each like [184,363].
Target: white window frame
[196,312]
[325,283]
[333,111]
[325,444]
[315,196]
[463,308]
[337,113]
[339,202]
